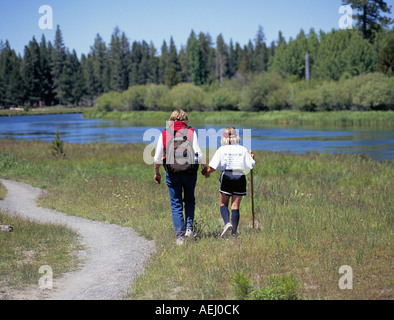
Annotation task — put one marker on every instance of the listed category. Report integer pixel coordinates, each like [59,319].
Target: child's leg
[236,201]
[224,200]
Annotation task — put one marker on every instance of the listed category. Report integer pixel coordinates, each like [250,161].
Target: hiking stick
[252,192]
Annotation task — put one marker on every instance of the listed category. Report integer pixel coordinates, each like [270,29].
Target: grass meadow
[315,213]
[30,246]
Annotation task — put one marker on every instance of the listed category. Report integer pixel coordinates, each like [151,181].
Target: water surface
[376,142]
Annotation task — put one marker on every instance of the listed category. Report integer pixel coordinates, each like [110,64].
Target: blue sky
[158,20]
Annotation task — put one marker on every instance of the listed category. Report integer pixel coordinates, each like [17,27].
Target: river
[374,141]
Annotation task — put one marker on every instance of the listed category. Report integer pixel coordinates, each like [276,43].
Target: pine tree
[124,62]
[78,89]
[47,95]
[115,60]
[281,39]
[196,61]
[65,82]
[172,77]
[250,56]
[135,77]
[232,60]
[99,61]
[221,59]
[260,52]
[242,61]
[144,67]
[57,147]
[370,18]
[90,81]
[13,91]
[209,56]
[184,64]
[163,61]
[31,72]
[153,65]
[184,58]
[58,62]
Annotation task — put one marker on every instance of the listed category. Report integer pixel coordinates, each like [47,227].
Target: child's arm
[209,171]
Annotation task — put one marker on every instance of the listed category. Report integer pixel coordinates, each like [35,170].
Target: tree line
[49,73]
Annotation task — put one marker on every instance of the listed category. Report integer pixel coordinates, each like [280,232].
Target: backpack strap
[168,133]
[188,132]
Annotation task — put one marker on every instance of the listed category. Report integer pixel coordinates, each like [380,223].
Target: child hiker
[232,159]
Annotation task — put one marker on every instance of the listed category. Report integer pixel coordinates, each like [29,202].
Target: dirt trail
[113,257]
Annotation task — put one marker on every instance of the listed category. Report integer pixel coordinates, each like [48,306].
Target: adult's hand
[157,178]
[204,171]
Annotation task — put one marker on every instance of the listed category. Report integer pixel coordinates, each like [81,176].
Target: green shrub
[109,101]
[156,97]
[373,92]
[305,99]
[7,161]
[265,91]
[241,286]
[278,99]
[222,99]
[187,97]
[331,96]
[280,288]
[134,98]
[262,93]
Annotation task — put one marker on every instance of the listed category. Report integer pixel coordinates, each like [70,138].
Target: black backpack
[180,156]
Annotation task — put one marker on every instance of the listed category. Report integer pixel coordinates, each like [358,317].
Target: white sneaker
[190,234]
[228,228]
[180,241]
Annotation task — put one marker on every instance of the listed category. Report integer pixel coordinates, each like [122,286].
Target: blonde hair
[230,136]
[179,115]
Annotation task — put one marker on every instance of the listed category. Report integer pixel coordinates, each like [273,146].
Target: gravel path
[114,255]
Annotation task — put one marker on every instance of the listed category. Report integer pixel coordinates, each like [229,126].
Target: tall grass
[315,212]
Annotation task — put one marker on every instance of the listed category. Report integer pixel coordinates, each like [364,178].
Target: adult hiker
[232,159]
[179,152]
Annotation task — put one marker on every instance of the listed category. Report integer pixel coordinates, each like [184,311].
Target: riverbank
[314,212]
[238,117]
[42,110]
[219,117]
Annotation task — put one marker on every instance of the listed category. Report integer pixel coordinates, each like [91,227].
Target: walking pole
[252,192]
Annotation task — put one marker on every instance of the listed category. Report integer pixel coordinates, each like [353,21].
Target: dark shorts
[232,183]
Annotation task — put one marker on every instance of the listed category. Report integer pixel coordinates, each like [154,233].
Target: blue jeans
[181,189]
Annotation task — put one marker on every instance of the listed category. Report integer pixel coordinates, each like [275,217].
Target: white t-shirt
[232,157]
